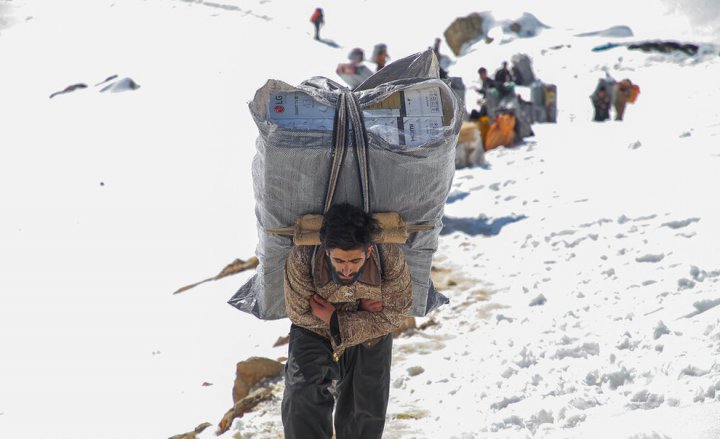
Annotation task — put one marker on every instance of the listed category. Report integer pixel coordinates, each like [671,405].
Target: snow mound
[620,31]
[526,26]
[120,85]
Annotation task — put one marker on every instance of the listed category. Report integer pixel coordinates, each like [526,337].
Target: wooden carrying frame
[394,230]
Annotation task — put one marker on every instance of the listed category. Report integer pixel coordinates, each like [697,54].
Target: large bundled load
[509,104]
[544,99]
[522,69]
[387,146]
[458,87]
[464,31]
[501,132]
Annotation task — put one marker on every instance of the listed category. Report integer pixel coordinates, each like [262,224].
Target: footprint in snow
[680,223]
[650,258]
[624,219]
[599,222]
[685,284]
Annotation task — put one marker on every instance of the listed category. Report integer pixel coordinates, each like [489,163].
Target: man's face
[347,263]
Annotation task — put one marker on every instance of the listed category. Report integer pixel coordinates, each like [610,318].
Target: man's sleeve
[299,288]
[396,288]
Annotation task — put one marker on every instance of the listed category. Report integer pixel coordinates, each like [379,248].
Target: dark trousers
[363,387]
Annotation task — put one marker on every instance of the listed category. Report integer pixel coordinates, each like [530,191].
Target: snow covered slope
[582,266]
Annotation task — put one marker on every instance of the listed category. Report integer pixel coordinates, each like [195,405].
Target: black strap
[361,149]
[338,150]
[348,112]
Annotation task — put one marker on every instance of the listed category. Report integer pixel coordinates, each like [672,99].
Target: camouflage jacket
[307,272]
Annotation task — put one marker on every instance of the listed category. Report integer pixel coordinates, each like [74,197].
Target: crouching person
[344,298]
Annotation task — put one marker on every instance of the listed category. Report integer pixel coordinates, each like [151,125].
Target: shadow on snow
[478,226]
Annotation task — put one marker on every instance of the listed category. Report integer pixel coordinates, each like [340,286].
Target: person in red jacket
[317,19]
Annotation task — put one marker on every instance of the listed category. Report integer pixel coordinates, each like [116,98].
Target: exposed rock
[414,414]
[538,301]
[282,341]
[665,47]
[69,89]
[237,266]
[108,79]
[415,370]
[660,330]
[241,407]
[429,323]
[252,370]
[192,434]
[464,31]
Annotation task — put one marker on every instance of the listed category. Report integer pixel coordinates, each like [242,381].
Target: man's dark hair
[482,70]
[348,228]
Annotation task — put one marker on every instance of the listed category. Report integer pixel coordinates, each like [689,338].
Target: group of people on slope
[618,94]
[502,81]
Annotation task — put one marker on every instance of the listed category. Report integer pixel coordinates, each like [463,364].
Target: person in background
[487,82]
[356,56]
[317,19]
[503,80]
[601,104]
[380,55]
[503,75]
[344,299]
[355,71]
[623,93]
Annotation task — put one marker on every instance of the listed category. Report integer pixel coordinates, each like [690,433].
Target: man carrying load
[344,298]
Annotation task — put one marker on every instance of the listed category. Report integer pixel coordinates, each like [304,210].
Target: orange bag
[634,92]
[484,126]
[501,133]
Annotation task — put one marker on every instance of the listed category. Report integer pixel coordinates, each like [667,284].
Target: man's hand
[321,308]
[371,305]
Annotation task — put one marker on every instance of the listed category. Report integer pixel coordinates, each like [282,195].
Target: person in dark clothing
[317,19]
[601,103]
[503,78]
[503,75]
[487,82]
[343,298]
[380,55]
